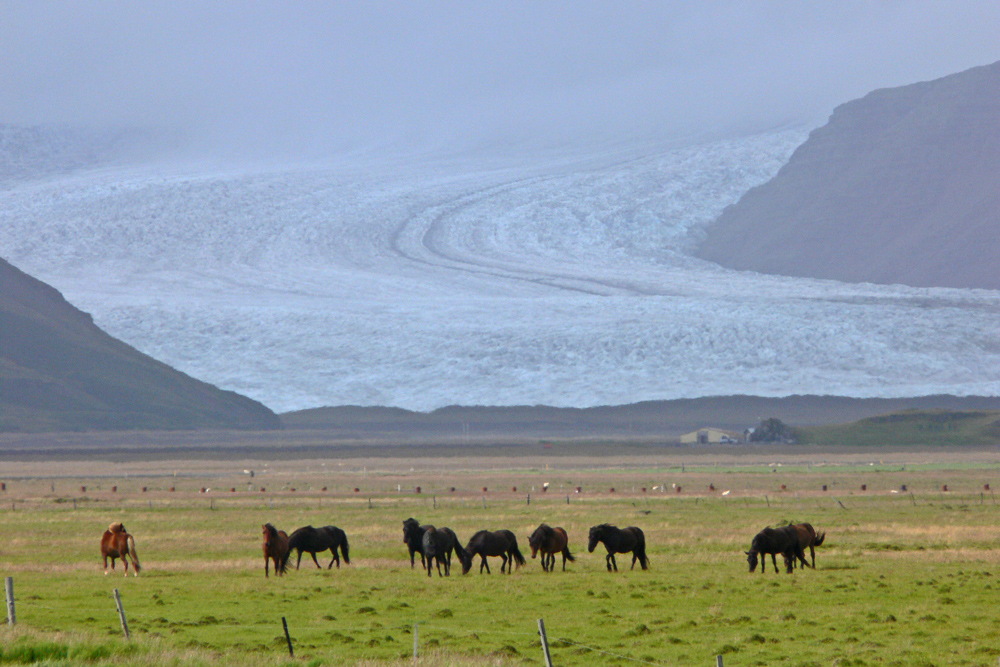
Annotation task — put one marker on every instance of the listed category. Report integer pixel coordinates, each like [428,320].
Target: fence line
[416,623]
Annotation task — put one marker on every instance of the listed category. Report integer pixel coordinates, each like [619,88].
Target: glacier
[556,276]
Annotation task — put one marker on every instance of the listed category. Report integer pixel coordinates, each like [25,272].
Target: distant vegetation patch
[911,427]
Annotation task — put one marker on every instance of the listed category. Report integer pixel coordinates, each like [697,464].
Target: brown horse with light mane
[117,543]
[275,548]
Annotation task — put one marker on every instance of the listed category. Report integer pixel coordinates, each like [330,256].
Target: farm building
[704,436]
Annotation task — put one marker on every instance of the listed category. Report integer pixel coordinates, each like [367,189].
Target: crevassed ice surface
[558,278]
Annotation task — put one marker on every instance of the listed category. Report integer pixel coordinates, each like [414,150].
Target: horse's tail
[516,553]
[640,549]
[282,561]
[344,549]
[135,556]
[819,539]
[567,555]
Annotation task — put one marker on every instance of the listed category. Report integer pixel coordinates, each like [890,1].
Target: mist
[321,75]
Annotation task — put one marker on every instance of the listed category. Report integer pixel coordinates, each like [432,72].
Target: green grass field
[905,578]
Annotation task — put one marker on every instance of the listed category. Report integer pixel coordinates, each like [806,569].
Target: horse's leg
[105,566]
[412,561]
[484,563]
[267,564]
[812,554]
[774,562]
[634,559]
[313,554]
[298,562]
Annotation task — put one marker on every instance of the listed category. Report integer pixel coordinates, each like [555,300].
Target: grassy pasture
[905,578]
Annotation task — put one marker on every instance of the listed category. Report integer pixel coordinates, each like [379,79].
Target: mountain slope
[899,187]
[58,371]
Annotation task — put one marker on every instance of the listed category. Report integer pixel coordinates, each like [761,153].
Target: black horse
[619,541]
[315,540]
[501,543]
[550,541]
[784,540]
[413,538]
[438,543]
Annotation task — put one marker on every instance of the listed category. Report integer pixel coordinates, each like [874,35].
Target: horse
[118,543]
[783,540]
[550,541]
[413,536]
[275,548]
[501,543]
[808,538]
[315,540]
[619,541]
[438,543]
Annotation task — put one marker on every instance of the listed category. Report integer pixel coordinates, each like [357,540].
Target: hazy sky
[353,72]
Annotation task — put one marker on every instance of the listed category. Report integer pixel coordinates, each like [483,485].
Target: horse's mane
[543,531]
[271,530]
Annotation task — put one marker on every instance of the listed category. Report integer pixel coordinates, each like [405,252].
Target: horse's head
[595,536]
[535,540]
[751,559]
[270,533]
[466,559]
[409,526]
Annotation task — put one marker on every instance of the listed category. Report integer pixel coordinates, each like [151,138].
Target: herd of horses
[436,546]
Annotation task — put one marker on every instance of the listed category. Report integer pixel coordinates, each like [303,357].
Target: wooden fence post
[288,637]
[9,585]
[718,661]
[121,613]
[545,643]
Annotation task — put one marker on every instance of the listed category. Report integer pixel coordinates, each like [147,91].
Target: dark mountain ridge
[651,419]
[900,186]
[60,372]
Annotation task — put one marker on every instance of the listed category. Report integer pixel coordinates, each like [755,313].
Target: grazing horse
[275,548]
[413,538]
[438,543]
[316,540]
[808,538]
[550,541]
[501,543]
[619,541]
[783,540]
[117,543]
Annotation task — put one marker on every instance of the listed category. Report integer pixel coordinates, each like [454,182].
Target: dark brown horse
[809,538]
[550,541]
[275,549]
[501,543]
[316,540]
[619,541]
[438,543]
[783,540]
[117,543]
[413,538]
